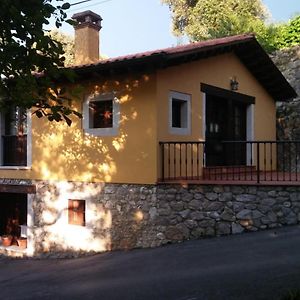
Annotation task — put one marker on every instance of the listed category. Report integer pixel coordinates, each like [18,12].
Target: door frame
[247,99]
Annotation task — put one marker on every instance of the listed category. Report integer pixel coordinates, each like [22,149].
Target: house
[168,149]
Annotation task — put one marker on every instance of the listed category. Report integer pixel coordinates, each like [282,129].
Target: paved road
[256,266]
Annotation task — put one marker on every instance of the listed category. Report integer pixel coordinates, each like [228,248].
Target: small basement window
[76,212]
[179,113]
[101,115]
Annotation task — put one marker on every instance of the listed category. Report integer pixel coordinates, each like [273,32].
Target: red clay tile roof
[244,46]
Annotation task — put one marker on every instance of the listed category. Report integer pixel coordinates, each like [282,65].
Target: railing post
[162,162]
[257,162]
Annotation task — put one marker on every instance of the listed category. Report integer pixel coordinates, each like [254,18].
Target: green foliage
[206,19]
[30,60]
[68,45]
[289,34]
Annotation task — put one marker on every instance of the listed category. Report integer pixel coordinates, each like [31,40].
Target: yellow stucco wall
[215,71]
[62,153]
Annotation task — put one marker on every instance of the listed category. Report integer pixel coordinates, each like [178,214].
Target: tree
[289,34]
[205,19]
[67,43]
[31,61]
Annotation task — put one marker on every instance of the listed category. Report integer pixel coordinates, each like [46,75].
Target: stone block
[295,197]
[198,232]
[238,206]
[252,190]
[256,214]
[191,224]
[237,190]
[198,216]
[218,189]
[164,211]
[161,236]
[211,196]
[187,197]
[223,228]
[184,230]
[153,213]
[272,194]
[185,213]
[177,205]
[227,215]
[263,208]
[207,223]
[209,231]
[215,206]
[194,204]
[268,202]
[244,214]
[214,215]
[198,196]
[251,206]
[174,234]
[237,228]
[246,198]
[225,197]
[292,218]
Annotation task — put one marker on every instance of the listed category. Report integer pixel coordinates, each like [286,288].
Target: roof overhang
[246,48]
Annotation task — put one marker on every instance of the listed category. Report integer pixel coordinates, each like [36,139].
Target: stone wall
[288,62]
[130,216]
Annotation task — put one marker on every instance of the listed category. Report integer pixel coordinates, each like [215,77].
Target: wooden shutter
[76,212]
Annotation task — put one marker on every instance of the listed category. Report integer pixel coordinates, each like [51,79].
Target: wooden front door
[225,121]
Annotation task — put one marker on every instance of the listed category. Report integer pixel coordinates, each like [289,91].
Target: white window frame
[111,131]
[186,98]
[29,145]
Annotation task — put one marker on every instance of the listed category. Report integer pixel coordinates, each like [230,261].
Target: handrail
[256,161]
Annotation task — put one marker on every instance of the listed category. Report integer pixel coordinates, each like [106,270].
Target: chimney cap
[87,18]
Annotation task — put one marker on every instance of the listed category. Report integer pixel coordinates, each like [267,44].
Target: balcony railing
[14,150]
[242,161]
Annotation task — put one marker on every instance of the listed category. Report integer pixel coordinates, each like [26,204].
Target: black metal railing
[255,161]
[14,150]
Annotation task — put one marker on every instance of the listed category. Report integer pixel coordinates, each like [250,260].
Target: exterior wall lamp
[234,85]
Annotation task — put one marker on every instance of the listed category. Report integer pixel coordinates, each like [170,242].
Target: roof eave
[246,47]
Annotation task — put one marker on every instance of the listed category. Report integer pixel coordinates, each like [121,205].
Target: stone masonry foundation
[125,216]
[121,216]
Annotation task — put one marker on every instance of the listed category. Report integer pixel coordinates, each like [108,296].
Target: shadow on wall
[68,153]
[114,219]
[70,161]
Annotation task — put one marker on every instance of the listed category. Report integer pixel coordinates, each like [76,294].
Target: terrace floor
[240,178]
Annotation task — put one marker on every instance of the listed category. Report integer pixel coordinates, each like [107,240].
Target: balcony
[14,150]
[231,162]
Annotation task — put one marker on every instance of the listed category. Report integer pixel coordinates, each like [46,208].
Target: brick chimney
[87,37]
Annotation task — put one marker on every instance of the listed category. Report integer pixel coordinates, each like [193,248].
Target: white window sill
[101,131]
[14,168]
[180,131]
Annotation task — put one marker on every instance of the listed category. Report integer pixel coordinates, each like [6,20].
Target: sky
[131,26]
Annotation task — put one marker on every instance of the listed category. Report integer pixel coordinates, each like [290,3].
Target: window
[14,130]
[101,115]
[76,212]
[179,113]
